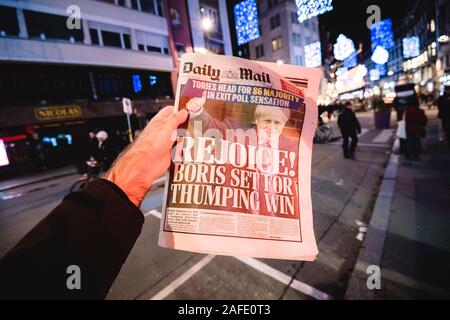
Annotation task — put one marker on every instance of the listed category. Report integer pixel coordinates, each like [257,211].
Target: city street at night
[344,195]
[241,150]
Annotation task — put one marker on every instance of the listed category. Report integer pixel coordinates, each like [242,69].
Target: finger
[165,112]
[174,121]
[173,136]
[181,117]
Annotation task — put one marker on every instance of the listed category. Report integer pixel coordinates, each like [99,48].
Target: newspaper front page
[240,178]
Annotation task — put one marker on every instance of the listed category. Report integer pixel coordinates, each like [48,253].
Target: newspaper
[240,179]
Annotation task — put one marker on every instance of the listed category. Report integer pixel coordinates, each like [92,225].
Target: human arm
[148,157]
[93,229]
[424,119]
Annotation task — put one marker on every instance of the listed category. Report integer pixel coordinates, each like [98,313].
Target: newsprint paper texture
[240,178]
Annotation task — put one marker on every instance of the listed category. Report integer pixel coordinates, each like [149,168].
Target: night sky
[349,18]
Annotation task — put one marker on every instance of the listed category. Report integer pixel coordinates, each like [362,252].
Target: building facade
[180,26]
[65,69]
[209,25]
[242,50]
[420,22]
[443,43]
[421,68]
[180,36]
[283,37]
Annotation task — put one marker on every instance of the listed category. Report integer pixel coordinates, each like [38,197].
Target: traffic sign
[127,108]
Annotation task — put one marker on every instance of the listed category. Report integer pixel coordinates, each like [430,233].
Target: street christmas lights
[313,55]
[352,79]
[246,21]
[380,55]
[381,34]
[374,75]
[341,71]
[361,71]
[306,9]
[411,47]
[381,69]
[343,47]
[351,61]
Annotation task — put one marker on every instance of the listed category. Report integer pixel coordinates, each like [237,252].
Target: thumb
[165,112]
[180,117]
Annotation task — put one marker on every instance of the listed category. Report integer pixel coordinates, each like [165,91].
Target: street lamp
[443,39]
[207,24]
[200,50]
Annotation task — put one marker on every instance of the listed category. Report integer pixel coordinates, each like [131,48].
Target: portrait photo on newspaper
[239,181]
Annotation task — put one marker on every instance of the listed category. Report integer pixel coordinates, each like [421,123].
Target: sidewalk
[416,257]
[37,177]
[409,235]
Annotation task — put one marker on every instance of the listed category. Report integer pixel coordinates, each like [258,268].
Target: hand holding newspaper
[240,177]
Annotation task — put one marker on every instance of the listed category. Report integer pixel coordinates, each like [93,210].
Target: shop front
[45,137]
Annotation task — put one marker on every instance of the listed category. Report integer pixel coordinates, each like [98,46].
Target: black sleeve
[357,125]
[440,107]
[340,122]
[94,229]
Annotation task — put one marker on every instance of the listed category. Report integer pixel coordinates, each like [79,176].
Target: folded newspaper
[240,178]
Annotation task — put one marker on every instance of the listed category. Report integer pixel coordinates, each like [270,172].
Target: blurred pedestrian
[349,125]
[444,112]
[92,147]
[107,150]
[401,103]
[416,121]
[422,97]
[321,109]
[359,105]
